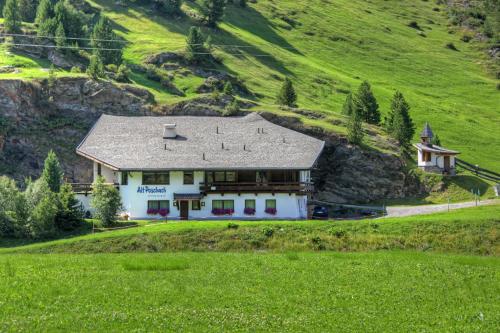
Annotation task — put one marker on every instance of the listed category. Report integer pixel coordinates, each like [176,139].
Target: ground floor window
[426,156]
[195,205]
[161,207]
[249,207]
[271,207]
[222,207]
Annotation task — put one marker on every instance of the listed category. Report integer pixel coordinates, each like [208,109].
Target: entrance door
[184,210]
[447,163]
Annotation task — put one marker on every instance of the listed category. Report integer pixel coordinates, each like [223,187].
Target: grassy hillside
[467,231]
[328,48]
[249,292]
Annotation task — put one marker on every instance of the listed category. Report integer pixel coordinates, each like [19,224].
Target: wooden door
[184,210]
[447,163]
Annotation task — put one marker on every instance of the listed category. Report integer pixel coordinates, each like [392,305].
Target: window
[156,178]
[124,178]
[250,204]
[99,170]
[426,156]
[188,177]
[221,176]
[223,204]
[195,205]
[158,204]
[271,204]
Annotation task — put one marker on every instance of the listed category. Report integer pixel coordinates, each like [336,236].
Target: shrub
[123,73]
[414,25]
[268,231]
[106,201]
[451,46]
[76,69]
[231,225]
[42,208]
[231,109]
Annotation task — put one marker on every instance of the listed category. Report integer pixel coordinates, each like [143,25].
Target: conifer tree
[355,128]
[213,11]
[228,89]
[399,123]
[60,37]
[52,172]
[195,50]
[366,104]
[27,10]
[106,43]
[44,11]
[12,20]
[96,68]
[436,140]
[287,95]
[70,213]
[348,106]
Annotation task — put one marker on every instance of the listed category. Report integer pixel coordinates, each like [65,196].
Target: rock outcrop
[43,117]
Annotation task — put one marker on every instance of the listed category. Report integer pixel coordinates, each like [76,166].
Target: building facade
[433,158]
[202,167]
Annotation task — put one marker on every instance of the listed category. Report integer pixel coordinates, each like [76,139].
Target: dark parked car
[320,213]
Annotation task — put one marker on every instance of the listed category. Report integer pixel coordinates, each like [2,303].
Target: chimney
[169,131]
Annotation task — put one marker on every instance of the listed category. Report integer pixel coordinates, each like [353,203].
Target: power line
[55,37]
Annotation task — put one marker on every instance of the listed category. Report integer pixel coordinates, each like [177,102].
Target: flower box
[164,212]
[222,212]
[249,211]
[271,211]
[152,211]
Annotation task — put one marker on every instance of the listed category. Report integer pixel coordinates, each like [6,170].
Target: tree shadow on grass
[225,40]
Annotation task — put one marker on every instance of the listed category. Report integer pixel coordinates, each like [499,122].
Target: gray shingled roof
[435,149]
[427,132]
[137,143]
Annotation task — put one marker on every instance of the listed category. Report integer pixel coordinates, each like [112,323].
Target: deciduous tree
[106,201]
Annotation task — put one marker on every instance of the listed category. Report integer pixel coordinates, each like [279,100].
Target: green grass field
[284,287]
[328,49]
[249,292]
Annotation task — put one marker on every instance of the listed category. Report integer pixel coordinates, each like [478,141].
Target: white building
[202,167]
[433,158]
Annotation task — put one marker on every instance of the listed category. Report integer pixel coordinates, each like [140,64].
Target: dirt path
[428,209]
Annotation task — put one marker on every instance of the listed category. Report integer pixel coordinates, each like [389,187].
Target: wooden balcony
[288,187]
[86,188]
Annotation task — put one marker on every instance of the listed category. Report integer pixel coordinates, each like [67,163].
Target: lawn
[250,292]
[270,276]
[327,50]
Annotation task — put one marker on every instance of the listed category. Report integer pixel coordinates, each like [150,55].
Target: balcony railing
[271,187]
[86,188]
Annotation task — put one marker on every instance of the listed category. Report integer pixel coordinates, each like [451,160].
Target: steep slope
[328,48]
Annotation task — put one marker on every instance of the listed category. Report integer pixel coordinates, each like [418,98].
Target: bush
[268,231]
[231,109]
[123,73]
[41,207]
[76,69]
[106,201]
[451,46]
[232,225]
[414,25]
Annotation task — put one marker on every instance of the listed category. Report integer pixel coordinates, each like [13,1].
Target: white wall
[436,160]
[109,175]
[135,203]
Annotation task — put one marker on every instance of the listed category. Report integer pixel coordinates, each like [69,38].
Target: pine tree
[228,89]
[366,104]
[12,21]
[106,43]
[27,10]
[70,212]
[60,37]
[213,11]
[348,106]
[195,50]
[52,172]
[44,11]
[355,128]
[96,68]
[399,123]
[287,95]
[436,140]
